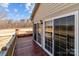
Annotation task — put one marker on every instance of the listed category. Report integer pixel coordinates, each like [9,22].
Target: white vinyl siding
[49,10]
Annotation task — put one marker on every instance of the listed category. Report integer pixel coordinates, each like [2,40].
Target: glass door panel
[34,31]
[64,36]
[48,36]
[70,35]
[40,32]
[56,37]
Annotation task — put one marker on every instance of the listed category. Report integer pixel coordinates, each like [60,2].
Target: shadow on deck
[26,47]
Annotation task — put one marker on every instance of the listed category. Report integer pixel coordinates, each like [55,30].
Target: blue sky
[17,11]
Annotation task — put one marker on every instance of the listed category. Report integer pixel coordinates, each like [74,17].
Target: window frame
[76,28]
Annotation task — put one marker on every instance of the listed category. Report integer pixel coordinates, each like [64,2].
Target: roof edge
[35,10]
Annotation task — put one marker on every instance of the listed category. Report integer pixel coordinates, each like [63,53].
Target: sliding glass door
[34,32]
[48,36]
[40,32]
[64,36]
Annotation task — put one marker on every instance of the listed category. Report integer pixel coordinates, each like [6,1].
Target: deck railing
[8,45]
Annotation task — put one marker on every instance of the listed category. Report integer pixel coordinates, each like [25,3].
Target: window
[64,36]
[48,36]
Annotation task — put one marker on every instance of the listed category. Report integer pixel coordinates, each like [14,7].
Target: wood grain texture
[26,47]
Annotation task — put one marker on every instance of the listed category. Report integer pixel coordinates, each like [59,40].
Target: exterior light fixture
[41,21]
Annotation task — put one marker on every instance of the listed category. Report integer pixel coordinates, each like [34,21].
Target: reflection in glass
[40,32]
[34,30]
[48,36]
[64,36]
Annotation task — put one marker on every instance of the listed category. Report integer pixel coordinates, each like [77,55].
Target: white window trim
[77,33]
[44,39]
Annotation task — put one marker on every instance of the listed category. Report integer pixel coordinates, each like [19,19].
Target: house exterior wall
[50,10]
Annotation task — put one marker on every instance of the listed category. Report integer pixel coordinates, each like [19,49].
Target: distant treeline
[15,24]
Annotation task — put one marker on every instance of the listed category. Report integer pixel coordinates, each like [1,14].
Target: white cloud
[15,10]
[30,11]
[29,7]
[7,9]
[17,15]
[5,5]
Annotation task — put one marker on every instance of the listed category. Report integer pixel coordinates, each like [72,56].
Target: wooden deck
[26,47]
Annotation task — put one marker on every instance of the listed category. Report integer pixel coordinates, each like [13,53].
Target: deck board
[26,47]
